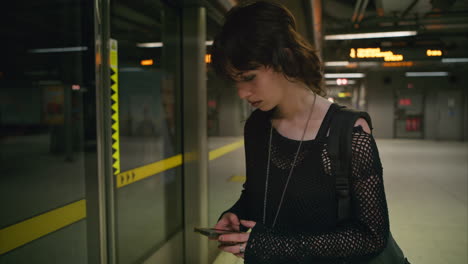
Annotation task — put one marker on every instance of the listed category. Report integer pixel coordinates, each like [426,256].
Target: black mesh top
[307,230]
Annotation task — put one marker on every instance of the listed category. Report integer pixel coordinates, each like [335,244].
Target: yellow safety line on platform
[214,154]
[24,232]
[134,175]
[237,178]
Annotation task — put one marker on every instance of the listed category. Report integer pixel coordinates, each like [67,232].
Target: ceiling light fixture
[150,45]
[392,34]
[334,82]
[426,74]
[59,50]
[336,63]
[453,60]
[344,75]
[160,44]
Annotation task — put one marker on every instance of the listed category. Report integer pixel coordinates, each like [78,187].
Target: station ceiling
[440,25]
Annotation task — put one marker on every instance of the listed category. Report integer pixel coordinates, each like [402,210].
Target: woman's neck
[296,104]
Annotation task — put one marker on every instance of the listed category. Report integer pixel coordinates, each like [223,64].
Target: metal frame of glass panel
[103,185]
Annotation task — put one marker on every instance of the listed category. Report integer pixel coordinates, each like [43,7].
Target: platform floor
[426,184]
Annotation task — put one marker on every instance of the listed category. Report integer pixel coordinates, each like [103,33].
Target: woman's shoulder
[361,122]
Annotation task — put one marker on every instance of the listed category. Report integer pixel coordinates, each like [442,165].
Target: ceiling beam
[316,20]
[409,8]
[357,7]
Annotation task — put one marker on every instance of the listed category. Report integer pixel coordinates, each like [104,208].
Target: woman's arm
[239,208]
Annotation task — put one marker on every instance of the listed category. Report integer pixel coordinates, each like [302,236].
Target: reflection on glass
[148,211]
[47,126]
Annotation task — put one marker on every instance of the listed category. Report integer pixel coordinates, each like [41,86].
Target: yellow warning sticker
[114,76]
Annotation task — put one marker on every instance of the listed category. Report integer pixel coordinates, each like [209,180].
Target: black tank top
[310,195]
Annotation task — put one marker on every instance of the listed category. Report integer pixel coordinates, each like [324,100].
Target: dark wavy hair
[260,33]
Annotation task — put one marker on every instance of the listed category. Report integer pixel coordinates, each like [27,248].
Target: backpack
[339,149]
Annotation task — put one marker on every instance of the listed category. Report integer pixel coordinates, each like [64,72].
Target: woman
[289,196]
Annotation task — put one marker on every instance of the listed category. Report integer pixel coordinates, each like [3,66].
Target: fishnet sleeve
[363,236]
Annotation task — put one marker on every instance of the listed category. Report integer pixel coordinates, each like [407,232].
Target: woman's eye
[248,78]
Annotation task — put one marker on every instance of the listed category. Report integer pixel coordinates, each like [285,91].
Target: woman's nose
[243,91]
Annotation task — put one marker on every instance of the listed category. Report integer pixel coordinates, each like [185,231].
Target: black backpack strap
[325,126]
[339,149]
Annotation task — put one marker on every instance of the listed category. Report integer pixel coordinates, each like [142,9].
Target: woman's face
[263,88]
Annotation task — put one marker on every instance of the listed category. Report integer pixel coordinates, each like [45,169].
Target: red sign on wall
[405,102]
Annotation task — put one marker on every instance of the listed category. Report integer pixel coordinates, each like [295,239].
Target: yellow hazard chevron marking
[237,178]
[115,106]
[214,154]
[134,175]
[24,232]
[131,176]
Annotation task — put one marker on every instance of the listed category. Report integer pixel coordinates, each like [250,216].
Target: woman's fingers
[234,238]
[234,221]
[247,223]
[227,227]
[229,221]
[221,225]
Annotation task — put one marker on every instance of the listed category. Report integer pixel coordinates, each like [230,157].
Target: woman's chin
[262,108]
[265,108]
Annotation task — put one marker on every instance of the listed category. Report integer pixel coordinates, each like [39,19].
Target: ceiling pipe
[362,11]
[316,6]
[408,9]
[356,11]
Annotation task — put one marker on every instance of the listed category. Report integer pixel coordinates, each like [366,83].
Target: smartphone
[212,232]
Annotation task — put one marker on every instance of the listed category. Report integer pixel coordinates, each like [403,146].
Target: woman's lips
[256,103]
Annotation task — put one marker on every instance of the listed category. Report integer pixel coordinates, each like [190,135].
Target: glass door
[145,74]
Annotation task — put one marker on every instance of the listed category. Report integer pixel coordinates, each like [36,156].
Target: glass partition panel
[149,210]
[47,130]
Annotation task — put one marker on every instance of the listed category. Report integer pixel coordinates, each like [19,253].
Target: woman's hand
[237,242]
[228,221]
